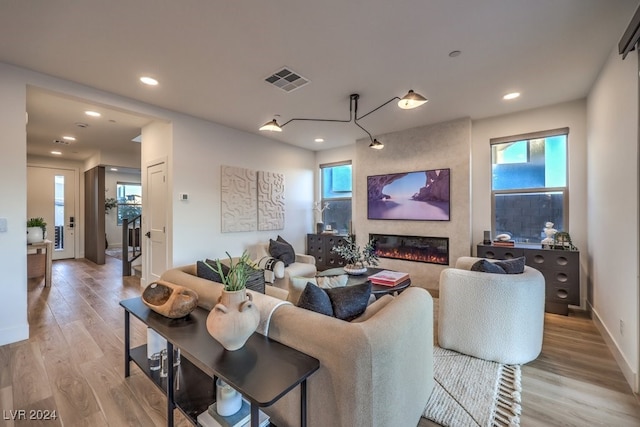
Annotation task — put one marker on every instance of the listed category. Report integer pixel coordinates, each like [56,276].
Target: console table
[560,268]
[263,370]
[33,260]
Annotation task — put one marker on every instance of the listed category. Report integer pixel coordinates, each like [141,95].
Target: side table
[47,245]
[263,370]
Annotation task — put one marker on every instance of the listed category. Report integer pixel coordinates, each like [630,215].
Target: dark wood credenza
[320,245]
[560,268]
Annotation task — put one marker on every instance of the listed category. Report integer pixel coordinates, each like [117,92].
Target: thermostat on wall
[183,196]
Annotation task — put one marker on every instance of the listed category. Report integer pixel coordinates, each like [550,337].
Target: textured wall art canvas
[239,204]
[270,201]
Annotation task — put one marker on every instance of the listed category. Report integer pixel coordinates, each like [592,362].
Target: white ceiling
[211,58]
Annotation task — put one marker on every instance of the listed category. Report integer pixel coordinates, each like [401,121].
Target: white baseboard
[14,334]
[630,373]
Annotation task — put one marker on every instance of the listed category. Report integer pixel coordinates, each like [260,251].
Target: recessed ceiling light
[69,138]
[149,81]
[319,140]
[114,169]
[92,113]
[57,153]
[512,95]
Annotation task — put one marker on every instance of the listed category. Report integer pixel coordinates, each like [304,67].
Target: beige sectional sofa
[376,371]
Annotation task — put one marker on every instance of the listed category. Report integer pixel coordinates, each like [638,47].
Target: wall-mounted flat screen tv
[421,195]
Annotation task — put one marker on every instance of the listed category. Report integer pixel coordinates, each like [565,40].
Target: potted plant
[234,318]
[110,203]
[357,259]
[36,229]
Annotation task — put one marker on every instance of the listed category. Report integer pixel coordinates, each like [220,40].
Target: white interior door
[51,195]
[156,220]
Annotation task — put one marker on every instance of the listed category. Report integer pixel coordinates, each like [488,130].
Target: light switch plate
[3,225]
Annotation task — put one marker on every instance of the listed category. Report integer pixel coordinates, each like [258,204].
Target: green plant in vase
[357,258]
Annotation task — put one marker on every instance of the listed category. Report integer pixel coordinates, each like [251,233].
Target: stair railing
[130,239]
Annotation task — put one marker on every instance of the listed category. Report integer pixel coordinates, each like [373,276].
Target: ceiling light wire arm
[351,115]
[377,108]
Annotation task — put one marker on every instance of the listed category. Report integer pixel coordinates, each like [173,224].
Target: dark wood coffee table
[377,290]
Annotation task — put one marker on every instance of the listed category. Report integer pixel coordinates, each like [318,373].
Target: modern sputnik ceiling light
[407,102]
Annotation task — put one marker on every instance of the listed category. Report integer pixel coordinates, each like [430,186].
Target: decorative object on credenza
[235,317]
[562,240]
[36,230]
[487,237]
[319,207]
[421,195]
[409,101]
[357,259]
[504,239]
[170,300]
[549,232]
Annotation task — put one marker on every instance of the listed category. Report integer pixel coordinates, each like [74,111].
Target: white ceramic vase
[233,319]
[34,235]
[354,271]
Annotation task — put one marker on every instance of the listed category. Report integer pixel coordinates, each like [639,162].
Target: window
[129,197]
[529,184]
[336,191]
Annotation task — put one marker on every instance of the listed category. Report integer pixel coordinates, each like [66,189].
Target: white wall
[13,173]
[613,207]
[200,149]
[568,114]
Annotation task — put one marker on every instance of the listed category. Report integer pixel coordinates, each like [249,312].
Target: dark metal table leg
[170,385]
[303,403]
[255,415]
[127,345]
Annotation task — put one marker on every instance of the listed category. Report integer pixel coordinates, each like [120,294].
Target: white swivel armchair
[498,317]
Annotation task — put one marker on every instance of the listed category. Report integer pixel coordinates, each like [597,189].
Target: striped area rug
[473,392]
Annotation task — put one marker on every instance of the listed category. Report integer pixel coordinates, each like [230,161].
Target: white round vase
[34,235]
[354,271]
[233,319]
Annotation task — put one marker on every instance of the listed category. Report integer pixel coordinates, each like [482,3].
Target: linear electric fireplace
[434,250]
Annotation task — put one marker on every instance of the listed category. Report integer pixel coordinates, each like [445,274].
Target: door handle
[148,234]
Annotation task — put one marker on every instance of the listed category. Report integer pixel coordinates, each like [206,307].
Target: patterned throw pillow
[273,268]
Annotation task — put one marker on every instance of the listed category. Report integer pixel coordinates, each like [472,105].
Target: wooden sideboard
[560,268]
[320,245]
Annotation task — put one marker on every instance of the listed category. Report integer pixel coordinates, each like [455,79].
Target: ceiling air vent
[60,141]
[286,79]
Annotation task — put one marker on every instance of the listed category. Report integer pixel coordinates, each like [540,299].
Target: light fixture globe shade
[376,145]
[411,100]
[271,126]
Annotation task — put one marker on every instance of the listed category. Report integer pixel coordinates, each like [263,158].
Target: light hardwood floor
[73,363]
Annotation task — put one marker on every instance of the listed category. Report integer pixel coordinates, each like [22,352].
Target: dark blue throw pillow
[315,299]
[349,302]
[512,266]
[486,266]
[282,250]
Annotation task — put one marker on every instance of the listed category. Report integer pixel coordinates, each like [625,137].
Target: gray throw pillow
[349,302]
[315,299]
[512,266]
[207,270]
[282,250]
[485,266]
